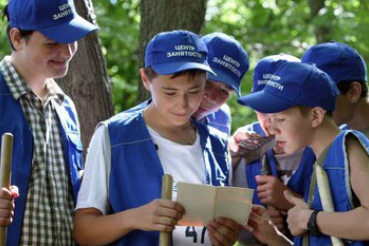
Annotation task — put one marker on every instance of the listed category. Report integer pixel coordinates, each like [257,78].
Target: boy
[348,70]
[119,202]
[230,63]
[285,171]
[47,150]
[299,99]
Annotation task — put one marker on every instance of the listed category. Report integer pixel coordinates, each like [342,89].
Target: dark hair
[151,74]
[23,33]
[345,86]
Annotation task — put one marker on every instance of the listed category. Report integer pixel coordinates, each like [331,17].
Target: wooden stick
[166,193]
[5,173]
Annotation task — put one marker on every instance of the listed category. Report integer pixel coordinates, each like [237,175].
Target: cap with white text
[176,51]
[294,84]
[266,67]
[56,19]
[228,59]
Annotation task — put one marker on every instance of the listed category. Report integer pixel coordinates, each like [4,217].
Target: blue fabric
[298,181]
[14,121]
[220,119]
[136,170]
[335,165]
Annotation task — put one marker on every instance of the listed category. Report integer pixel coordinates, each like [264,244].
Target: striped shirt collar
[18,86]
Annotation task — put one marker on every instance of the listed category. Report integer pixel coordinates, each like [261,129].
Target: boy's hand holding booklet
[205,202]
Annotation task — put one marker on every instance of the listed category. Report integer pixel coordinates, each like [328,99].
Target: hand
[278,218]
[223,231]
[298,216]
[237,152]
[263,228]
[270,192]
[7,197]
[158,215]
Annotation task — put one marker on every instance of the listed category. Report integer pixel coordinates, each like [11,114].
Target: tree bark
[87,81]
[166,15]
[321,31]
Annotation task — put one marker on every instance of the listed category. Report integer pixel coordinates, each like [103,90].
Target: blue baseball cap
[338,60]
[176,51]
[56,19]
[266,67]
[228,59]
[294,84]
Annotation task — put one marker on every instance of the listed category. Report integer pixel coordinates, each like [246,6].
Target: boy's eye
[226,92]
[51,44]
[169,93]
[194,92]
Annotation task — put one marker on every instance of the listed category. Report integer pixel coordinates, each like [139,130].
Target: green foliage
[4,45]
[119,23]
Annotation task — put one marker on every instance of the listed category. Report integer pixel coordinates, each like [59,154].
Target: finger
[224,230]
[14,191]
[294,199]
[258,209]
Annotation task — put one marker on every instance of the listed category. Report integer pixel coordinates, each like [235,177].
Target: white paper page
[234,203]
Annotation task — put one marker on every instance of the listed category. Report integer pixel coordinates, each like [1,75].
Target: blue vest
[13,120]
[335,165]
[136,171]
[220,119]
[298,181]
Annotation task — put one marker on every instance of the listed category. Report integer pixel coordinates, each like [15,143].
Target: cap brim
[176,67]
[265,102]
[69,32]
[225,79]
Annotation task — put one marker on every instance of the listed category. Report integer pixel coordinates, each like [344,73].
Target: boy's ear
[15,38]
[145,79]
[317,114]
[354,92]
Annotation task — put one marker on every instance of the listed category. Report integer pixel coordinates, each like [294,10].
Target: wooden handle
[5,172]
[166,193]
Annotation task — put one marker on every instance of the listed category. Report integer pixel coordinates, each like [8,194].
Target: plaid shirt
[49,209]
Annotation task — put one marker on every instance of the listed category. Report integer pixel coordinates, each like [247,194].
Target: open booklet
[205,202]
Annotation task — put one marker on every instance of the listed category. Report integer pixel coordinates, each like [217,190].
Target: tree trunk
[322,31]
[87,81]
[166,15]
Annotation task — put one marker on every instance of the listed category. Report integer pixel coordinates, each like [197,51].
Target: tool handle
[5,172]
[166,193]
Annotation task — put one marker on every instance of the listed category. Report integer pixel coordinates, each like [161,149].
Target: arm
[353,224]
[94,228]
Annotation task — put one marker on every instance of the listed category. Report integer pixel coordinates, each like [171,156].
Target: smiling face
[292,129]
[215,95]
[174,100]
[39,58]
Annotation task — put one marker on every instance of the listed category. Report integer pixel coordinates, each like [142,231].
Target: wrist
[312,225]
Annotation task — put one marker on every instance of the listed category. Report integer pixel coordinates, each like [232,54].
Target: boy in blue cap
[286,171]
[47,155]
[299,100]
[230,62]
[119,202]
[348,70]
